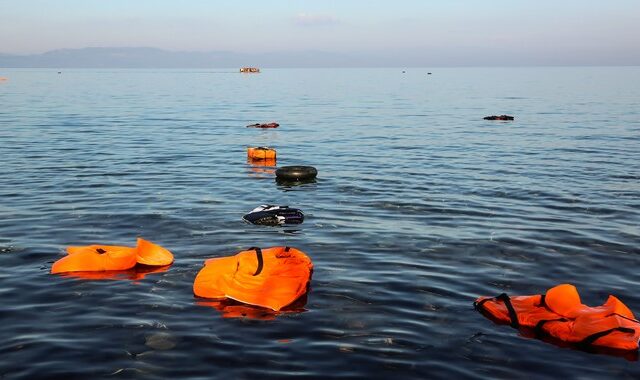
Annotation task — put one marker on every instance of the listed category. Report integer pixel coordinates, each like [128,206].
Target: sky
[454,31]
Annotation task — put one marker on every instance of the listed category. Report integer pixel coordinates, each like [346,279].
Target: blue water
[420,206]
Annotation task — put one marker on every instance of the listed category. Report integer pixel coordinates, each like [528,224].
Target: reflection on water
[262,168]
[136,273]
[229,308]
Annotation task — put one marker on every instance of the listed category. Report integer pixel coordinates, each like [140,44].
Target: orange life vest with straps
[560,313]
[272,277]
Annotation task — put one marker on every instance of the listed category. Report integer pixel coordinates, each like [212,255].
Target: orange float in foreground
[261,153]
[272,278]
[561,315]
[97,258]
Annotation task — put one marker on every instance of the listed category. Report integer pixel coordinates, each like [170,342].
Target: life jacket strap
[543,300]
[512,312]
[259,258]
[623,317]
[588,341]
[538,329]
[507,303]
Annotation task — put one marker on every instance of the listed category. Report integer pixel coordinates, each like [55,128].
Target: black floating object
[500,117]
[428,73]
[264,125]
[296,173]
[270,215]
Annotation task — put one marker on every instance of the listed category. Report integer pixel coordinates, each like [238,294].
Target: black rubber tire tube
[296,173]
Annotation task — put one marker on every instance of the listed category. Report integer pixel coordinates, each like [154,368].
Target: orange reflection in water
[264,166]
[233,309]
[134,274]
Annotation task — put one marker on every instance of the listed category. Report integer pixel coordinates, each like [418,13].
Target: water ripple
[420,206]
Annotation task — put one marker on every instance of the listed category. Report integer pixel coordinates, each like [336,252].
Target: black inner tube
[296,173]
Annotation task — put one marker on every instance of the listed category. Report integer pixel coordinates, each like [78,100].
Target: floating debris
[500,117]
[272,215]
[272,124]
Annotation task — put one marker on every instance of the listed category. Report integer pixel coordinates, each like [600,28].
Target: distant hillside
[102,57]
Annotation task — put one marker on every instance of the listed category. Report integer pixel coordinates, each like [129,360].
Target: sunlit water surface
[420,206]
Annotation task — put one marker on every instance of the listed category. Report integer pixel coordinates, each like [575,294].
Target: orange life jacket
[261,153]
[560,314]
[272,277]
[96,258]
[148,253]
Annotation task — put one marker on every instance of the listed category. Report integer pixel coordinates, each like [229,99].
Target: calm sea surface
[420,206]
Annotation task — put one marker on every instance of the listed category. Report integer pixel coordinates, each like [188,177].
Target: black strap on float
[588,341]
[512,312]
[623,317]
[259,258]
[101,251]
[543,303]
[286,249]
[543,300]
[538,329]
[479,305]
[507,302]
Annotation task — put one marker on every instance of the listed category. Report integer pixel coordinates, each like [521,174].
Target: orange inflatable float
[560,314]
[97,258]
[272,278]
[261,153]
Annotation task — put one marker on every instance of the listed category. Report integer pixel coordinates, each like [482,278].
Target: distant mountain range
[144,57]
[147,57]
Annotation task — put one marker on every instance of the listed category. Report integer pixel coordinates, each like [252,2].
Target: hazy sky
[587,31]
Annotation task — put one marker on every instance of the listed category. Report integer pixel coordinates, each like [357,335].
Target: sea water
[420,206]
